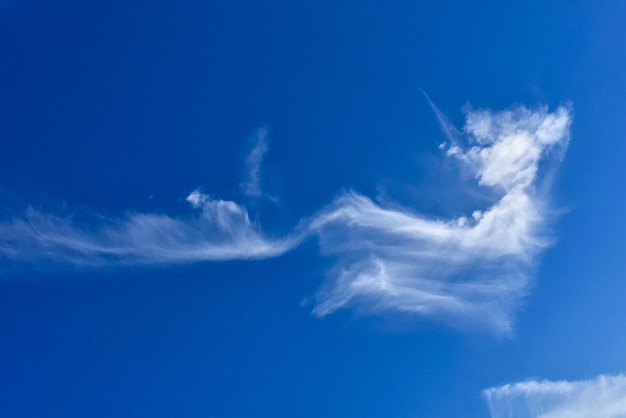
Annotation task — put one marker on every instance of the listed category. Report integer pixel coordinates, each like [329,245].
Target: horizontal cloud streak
[218,230]
[604,396]
[472,267]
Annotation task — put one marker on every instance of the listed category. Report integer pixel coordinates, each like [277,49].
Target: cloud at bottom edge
[603,396]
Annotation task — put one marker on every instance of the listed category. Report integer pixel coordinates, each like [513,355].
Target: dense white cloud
[602,397]
[474,267]
[218,230]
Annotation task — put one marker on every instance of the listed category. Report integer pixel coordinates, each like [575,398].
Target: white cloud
[602,397]
[470,269]
[218,230]
[252,184]
[473,267]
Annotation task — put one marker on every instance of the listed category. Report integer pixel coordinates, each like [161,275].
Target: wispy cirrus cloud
[216,230]
[604,396]
[474,267]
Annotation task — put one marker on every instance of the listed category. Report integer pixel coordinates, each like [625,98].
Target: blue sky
[219,209]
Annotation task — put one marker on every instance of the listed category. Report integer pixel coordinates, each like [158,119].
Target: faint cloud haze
[474,268]
[604,396]
[252,184]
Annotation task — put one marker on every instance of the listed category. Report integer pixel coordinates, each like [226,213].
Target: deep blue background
[132,104]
